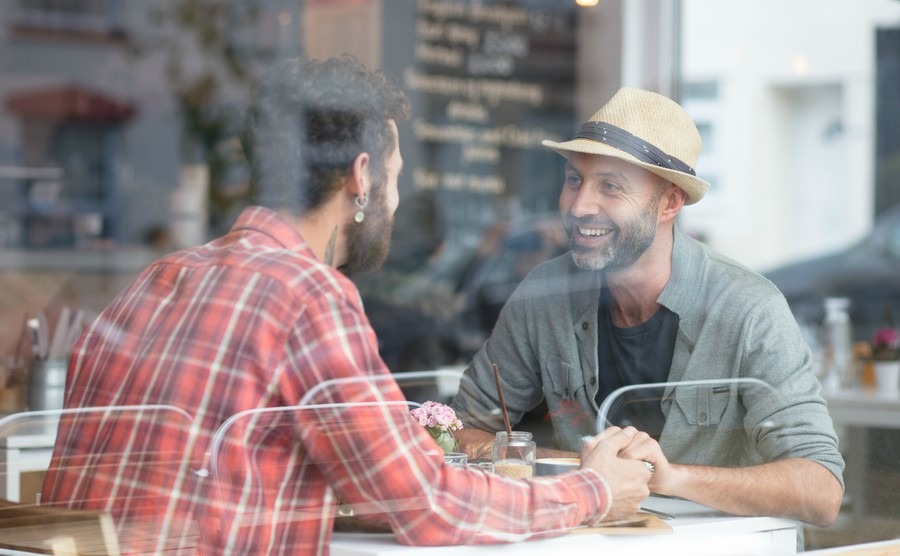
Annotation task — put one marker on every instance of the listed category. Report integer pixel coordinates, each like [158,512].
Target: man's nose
[585,203]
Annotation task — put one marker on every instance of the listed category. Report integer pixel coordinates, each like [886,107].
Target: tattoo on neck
[329,249]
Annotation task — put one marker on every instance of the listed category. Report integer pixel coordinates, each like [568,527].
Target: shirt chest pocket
[565,379]
[702,405]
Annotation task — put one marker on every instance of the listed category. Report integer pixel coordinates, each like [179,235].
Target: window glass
[122,140]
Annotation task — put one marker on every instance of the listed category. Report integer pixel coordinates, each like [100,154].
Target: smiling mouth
[594,232]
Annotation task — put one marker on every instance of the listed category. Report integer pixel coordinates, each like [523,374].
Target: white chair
[86,467]
[439,385]
[260,457]
[617,407]
[699,406]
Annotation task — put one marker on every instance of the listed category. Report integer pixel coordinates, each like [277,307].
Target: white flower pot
[887,376]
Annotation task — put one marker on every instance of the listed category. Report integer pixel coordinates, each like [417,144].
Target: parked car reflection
[441,313]
[868,273]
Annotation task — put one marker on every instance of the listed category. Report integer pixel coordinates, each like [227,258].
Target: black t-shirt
[635,355]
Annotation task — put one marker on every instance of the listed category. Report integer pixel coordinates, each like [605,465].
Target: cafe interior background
[119,142]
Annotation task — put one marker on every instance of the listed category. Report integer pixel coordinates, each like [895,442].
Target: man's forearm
[795,488]
[476,443]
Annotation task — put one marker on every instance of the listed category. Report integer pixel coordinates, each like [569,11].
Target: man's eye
[573,181]
[610,186]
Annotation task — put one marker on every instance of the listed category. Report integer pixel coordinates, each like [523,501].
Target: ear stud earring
[361,204]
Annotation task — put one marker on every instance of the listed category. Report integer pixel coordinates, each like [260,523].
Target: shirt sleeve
[510,346]
[379,460]
[788,417]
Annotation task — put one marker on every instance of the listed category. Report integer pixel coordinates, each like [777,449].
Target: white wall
[793,122]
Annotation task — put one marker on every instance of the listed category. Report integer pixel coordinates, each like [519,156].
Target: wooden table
[696,530]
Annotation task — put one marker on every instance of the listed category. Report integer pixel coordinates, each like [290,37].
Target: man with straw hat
[639,302]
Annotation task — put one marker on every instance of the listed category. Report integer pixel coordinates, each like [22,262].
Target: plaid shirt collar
[266,221]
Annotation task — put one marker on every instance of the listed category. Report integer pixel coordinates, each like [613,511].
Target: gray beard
[632,241]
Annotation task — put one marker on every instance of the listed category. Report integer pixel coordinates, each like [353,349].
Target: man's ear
[672,201]
[360,181]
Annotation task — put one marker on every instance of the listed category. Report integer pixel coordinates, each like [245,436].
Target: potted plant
[440,421]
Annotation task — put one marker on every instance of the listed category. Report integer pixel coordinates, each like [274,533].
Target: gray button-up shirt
[734,324]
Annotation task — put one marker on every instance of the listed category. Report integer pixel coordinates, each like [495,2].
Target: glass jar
[513,454]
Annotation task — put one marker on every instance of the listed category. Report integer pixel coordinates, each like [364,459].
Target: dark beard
[369,241]
[631,243]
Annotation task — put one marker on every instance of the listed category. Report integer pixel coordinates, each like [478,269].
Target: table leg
[856,475]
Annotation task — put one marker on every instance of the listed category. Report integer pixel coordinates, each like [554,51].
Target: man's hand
[643,448]
[476,443]
[793,488]
[628,479]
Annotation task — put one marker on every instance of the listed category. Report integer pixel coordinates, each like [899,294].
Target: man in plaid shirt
[256,319]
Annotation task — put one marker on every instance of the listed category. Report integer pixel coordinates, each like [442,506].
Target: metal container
[47,384]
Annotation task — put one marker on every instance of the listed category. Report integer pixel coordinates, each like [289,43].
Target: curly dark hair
[307,123]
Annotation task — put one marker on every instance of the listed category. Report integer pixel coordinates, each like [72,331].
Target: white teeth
[594,232]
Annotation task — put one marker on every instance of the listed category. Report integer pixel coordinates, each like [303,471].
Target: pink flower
[886,344]
[436,417]
[886,337]
[440,421]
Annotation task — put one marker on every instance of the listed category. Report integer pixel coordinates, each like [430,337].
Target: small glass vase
[457,459]
[446,441]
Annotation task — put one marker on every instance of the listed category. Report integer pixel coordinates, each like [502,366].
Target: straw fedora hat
[647,130]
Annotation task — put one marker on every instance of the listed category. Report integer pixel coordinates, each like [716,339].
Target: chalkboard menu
[488,81]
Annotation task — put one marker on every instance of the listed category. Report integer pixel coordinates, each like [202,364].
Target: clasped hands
[631,462]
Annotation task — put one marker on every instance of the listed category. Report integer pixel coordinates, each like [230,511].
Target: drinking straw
[502,403]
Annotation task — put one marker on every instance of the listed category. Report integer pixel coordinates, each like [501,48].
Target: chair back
[438,385]
[666,410]
[102,465]
[275,470]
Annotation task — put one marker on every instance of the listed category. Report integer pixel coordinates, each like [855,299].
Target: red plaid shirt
[254,320]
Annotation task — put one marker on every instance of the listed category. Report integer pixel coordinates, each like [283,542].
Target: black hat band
[631,144]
